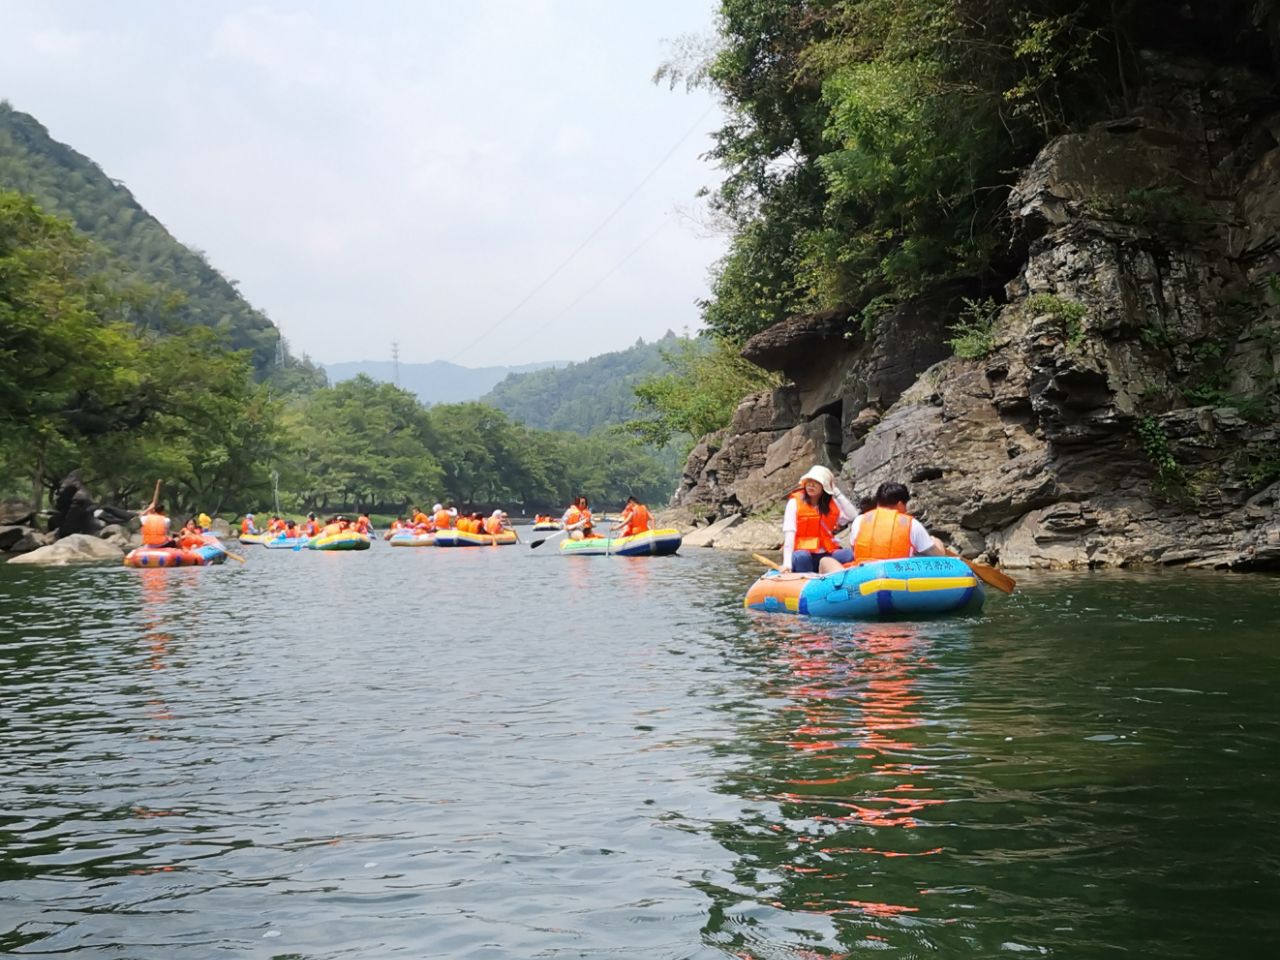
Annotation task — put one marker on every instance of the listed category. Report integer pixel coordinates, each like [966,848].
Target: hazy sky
[400,171]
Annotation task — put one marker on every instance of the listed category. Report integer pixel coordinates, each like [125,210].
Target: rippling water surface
[507,753]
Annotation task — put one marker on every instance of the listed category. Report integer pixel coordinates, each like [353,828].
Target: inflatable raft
[650,543]
[285,543]
[212,551]
[247,538]
[879,590]
[407,538]
[548,525]
[460,538]
[342,540]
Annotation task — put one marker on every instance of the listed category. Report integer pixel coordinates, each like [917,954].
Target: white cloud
[55,42]
[571,140]
[423,167]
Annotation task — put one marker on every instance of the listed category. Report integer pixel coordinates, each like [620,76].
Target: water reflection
[311,755]
[842,783]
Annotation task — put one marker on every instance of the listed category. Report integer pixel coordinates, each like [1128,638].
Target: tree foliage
[705,382]
[165,285]
[581,397]
[871,143]
[82,388]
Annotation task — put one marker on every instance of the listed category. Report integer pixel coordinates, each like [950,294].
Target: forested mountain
[582,397]
[436,382]
[124,356]
[183,289]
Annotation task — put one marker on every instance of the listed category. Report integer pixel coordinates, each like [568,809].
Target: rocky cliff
[1116,403]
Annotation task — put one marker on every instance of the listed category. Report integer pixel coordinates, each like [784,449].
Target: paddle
[236,557]
[537,543]
[766,561]
[989,575]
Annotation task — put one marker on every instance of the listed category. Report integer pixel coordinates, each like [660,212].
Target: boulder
[31,540]
[16,512]
[11,535]
[73,508]
[120,536]
[707,536]
[755,533]
[76,548]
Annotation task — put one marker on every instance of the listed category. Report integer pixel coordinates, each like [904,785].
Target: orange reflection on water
[855,702]
[867,688]
[155,583]
[153,616]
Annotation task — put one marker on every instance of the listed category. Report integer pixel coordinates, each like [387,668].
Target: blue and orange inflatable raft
[879,590]
[210,552]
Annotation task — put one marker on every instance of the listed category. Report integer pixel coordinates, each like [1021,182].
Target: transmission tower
[395,361]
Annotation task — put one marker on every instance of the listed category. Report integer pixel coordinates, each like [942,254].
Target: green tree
[871,143]
[706,382]
[67,363]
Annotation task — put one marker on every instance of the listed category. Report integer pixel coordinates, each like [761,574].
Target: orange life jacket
[246,525]
[362,525]
[637,520]
[883,534]
[155,529]
[493,525]
[444,520]
[421,519]
[814,531]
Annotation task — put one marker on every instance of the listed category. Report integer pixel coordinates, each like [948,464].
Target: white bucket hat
[823,476]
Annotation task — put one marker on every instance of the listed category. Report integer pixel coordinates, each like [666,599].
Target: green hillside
[582,397]
[186,290]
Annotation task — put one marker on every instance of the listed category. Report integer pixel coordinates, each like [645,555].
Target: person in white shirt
[888,532]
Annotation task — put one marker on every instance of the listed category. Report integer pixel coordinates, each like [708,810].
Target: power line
[582,296]
[591,236]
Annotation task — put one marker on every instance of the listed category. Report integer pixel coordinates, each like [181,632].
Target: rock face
[73,508]
[1124,409]
[77,548]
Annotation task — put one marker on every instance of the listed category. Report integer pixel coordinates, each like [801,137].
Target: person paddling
[635,519]
[577,520]
[155,526]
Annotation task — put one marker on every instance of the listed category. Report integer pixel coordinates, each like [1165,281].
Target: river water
[501,752]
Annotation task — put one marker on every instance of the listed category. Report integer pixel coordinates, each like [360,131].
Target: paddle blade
[989,575]
[766,561]
[538,543]
[236,557]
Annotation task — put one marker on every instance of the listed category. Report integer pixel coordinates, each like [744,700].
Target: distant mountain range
[436,382]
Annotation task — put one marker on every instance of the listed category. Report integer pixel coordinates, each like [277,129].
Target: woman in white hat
[814,512]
